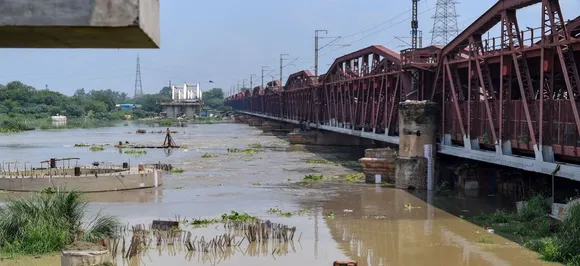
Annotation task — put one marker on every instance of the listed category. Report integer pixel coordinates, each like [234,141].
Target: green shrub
[48,222]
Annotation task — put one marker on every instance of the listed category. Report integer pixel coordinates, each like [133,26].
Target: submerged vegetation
[48,222]
[533,228]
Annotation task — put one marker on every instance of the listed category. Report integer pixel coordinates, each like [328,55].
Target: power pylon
[444,22]
[138,84]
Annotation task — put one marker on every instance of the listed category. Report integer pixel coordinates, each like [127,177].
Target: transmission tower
[138,84]
[444,22]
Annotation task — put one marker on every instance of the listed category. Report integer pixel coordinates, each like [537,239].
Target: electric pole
[244,84]
[317,48]
[251,80]
[238,85]
[282,66]
[414,24]
[264,68]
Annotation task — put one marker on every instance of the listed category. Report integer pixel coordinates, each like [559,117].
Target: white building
[187,92]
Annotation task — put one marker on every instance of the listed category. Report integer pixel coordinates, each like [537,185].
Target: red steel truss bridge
[511,100]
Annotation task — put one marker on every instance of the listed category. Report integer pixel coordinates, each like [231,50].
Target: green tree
[213,98]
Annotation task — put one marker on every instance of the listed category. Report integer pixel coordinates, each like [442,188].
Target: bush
[48,222]
[536,206]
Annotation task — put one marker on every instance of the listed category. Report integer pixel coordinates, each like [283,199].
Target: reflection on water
[373,225]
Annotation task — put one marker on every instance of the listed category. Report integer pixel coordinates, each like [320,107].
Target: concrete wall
[121,181]
[79,24]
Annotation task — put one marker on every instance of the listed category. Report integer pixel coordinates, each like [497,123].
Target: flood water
[370,224]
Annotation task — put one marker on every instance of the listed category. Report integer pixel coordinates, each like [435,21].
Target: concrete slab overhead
[79,24]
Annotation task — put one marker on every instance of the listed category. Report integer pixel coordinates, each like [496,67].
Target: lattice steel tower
[138,84]
[444,22]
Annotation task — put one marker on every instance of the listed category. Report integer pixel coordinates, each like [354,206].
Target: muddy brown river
[370,224]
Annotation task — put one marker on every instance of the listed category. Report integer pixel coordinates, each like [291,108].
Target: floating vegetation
[232,216]
[179,187]
[257,183]
[279,212]
[313,178]
[135,152]
[387,184]
[255,145]
[97,148]
[235,216]
[329,215]
[203,222]
[82,145]
[318,161]
[209,155]
[177,170]
[304,212]
[354,177]
[246,151]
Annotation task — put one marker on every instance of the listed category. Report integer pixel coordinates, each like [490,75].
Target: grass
[48,222]
[279,212]
[535,230]
[97,148]
[135,152]
[209,155]
[176,170]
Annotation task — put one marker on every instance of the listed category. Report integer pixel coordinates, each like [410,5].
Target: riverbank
[533,228]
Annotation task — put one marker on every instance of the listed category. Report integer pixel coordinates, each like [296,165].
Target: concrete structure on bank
[186,101]
[379,165]
[80,24]
[90,179]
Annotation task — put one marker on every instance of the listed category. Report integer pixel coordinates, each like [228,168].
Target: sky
[227,41]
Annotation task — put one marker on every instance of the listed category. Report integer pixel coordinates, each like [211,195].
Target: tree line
[18,101]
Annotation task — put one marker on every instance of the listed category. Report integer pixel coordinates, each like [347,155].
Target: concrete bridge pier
[254,122]
[326,138]
[269,127]
[415,165]
[240,118]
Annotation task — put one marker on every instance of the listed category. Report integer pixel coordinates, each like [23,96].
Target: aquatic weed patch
[139,152]
[209,155]
[318,161]
[97,148]
[279,212]
[233,216]
[313,178]
[176,170]
[245,151]
[354,177]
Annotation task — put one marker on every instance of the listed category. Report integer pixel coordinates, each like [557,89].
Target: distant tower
[444,22]
[138,84]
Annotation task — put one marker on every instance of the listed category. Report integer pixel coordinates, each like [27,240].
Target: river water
[370,224]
